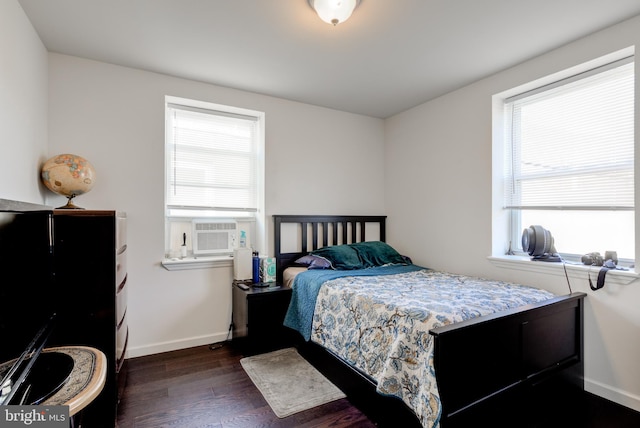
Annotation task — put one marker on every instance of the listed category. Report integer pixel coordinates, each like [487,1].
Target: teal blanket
[306,287]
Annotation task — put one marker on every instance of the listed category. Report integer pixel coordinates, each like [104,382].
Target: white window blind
[212,160]
[572,144]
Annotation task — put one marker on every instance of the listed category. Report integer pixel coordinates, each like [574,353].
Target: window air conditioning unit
[213,236]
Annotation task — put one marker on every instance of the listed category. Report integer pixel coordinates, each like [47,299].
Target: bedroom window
[214,172]
[569,161]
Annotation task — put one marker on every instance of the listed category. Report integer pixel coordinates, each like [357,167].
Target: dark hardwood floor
[198,387]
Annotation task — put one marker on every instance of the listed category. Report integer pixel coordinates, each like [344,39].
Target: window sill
[197,262]
[574,270]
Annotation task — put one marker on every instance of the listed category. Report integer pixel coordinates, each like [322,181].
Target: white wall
[317,161]
[438,193]
[23,106]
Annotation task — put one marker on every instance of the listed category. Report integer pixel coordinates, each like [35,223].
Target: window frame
[506,226]
[251,220]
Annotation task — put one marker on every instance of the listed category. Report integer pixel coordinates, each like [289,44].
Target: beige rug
[288,382]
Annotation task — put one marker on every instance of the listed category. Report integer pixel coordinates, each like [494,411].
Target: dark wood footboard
[513,352]
[490,370]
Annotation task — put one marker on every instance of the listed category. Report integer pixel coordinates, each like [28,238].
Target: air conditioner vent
[215,226]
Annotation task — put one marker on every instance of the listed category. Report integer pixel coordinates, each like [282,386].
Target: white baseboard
[157,348]
[621,397]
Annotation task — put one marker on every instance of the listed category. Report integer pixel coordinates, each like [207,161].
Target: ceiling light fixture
[334,11]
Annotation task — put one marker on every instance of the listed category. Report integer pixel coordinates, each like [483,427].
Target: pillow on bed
[377,253]
[341,257]
[314,262]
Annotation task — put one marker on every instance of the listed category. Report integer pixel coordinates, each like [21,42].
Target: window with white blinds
[212,160]
[570,157]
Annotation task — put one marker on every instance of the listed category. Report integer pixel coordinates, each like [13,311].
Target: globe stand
[70,205]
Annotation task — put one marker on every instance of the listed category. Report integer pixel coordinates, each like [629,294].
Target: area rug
[288,382]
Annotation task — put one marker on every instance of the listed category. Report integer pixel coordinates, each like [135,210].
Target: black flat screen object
[17,380]
[538,243]
[49,374]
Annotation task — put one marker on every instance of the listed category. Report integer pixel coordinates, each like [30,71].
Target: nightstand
[258,314]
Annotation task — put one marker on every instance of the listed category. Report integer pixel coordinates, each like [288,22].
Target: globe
[68,175]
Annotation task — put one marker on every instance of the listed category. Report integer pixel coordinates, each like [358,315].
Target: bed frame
[528,358]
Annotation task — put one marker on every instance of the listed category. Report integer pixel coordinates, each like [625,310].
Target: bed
[460,357]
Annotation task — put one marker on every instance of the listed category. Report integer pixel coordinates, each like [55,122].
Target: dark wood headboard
[317,231]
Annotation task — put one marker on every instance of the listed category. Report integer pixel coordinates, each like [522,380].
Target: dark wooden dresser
[90,271]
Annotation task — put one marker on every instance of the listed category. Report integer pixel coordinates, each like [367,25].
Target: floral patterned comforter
[380,325]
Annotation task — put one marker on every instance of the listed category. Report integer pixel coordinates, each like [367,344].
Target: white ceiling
[390,56]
